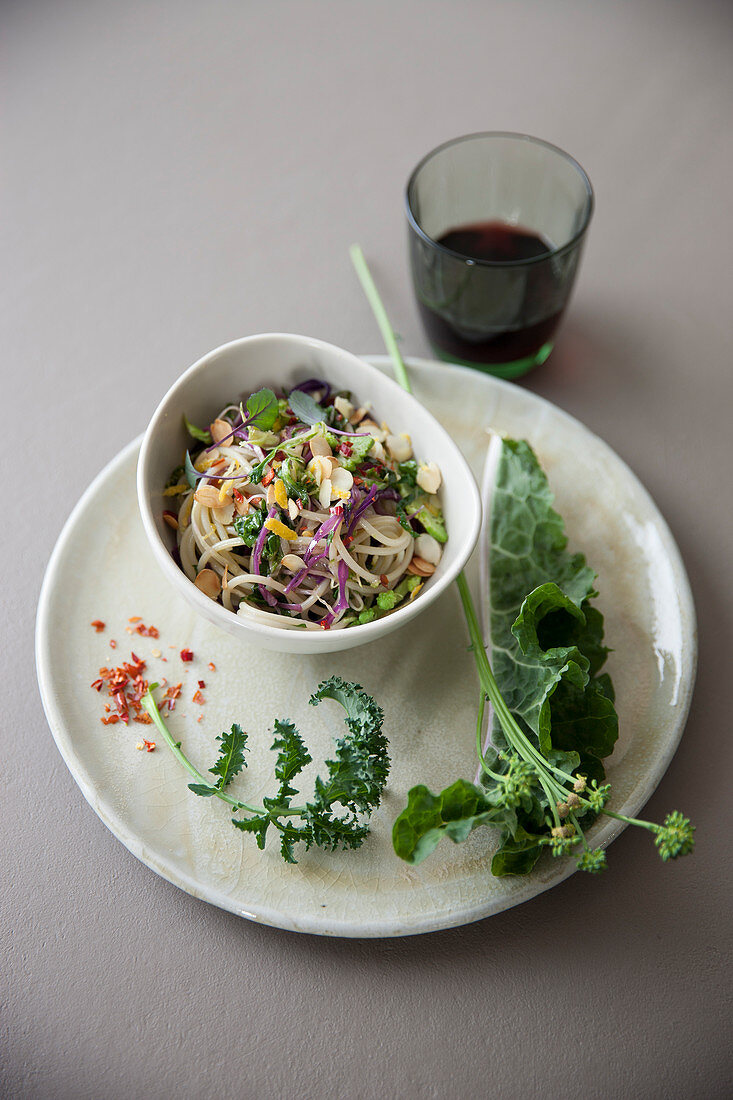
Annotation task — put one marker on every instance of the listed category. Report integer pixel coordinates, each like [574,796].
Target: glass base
[500,370]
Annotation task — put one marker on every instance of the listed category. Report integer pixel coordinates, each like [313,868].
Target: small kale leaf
[454,812]
[231,756]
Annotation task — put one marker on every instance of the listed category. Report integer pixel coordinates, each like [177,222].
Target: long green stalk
[365,277]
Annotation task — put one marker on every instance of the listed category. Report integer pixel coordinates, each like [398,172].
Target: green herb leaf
[427,818]
[262,409]
[305,408]
[231,756]
[202,434]
[190,471]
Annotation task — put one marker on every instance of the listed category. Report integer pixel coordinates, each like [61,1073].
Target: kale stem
[579,831]
[479,725]
[152,708]
[633,821]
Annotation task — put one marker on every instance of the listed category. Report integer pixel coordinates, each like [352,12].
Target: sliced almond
[341,481]
[418,567]
[358,416]
[171,520]
[207,581]
[374,430]
[428,548]
[207,496]
[428,477]
[292,562]
[224,514]
[344,406]
[320,446]
[399,447]
[219,430]
[324,493]
[320,468]
[292,509]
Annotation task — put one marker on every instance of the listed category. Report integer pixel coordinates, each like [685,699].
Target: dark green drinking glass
[497,223]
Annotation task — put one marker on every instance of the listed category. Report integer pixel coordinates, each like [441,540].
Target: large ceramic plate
[422,675]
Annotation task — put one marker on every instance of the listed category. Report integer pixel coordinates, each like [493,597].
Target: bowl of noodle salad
[299,498]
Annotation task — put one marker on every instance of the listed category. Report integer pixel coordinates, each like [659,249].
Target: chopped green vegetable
[430,517]
[361,445]
[351,788]
[248,527]
[292,474]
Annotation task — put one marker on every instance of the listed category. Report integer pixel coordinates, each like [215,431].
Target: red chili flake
[112,644]
[186,654]
[239,497]
[348,540]
[125,689]
[346,448]
[198,698]
[149,745]
[325,624]
[200,718]
[147,631]
[212,666]
[202,684]
[171,695]
[358,481]
[143,719]
[384,579]
[269,476]
[98,625]
[135,619]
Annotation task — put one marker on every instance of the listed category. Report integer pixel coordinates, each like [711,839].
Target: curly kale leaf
[349,790]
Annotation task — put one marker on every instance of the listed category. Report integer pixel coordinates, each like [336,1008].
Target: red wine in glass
[495,314]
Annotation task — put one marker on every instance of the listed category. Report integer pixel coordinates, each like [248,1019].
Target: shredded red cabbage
[312,384]
[257,557]
[360,509]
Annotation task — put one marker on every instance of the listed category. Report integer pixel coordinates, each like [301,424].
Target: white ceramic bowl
[235,370]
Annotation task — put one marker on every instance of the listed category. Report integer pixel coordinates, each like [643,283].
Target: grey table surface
[178,174]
